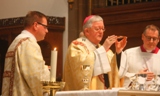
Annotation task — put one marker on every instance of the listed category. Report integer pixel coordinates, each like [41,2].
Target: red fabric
[86,19]
[154,51]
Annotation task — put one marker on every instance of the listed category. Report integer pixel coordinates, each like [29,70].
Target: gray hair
[89,22]
[153,28]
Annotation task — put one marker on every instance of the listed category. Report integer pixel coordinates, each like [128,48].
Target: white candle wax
[53,65]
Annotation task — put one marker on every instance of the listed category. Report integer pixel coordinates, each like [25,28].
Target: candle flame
[55,49]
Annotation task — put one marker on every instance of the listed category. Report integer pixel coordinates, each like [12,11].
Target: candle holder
[51,87]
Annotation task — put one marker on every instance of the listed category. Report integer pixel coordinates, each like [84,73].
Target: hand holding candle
[53,65]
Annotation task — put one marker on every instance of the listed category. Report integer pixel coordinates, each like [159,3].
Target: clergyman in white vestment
[142,59]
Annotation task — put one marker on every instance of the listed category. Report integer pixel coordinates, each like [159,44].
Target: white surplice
[133,60]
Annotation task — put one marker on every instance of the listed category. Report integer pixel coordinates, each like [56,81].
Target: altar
[113,92]
[88,93]
[138,93]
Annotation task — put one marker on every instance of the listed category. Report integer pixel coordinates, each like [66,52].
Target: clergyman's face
[95,32]
[150,39]
[42,30]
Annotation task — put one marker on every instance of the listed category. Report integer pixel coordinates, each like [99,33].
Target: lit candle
[53,65]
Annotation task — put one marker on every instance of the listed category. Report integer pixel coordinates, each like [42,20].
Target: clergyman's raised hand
[120,44]
[109,41]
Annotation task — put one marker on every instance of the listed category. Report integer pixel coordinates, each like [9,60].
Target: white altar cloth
[112,92]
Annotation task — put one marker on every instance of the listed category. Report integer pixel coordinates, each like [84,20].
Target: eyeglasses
[45,26]
[153,38]
[99,29]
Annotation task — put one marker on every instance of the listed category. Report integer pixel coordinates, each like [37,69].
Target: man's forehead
[152,32]
[98,23]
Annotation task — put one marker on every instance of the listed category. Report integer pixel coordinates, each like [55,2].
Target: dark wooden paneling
[129,20]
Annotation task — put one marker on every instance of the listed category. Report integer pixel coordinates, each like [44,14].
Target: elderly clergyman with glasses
[86,50]
[142,59]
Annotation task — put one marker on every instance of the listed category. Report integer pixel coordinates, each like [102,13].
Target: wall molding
[53,22]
